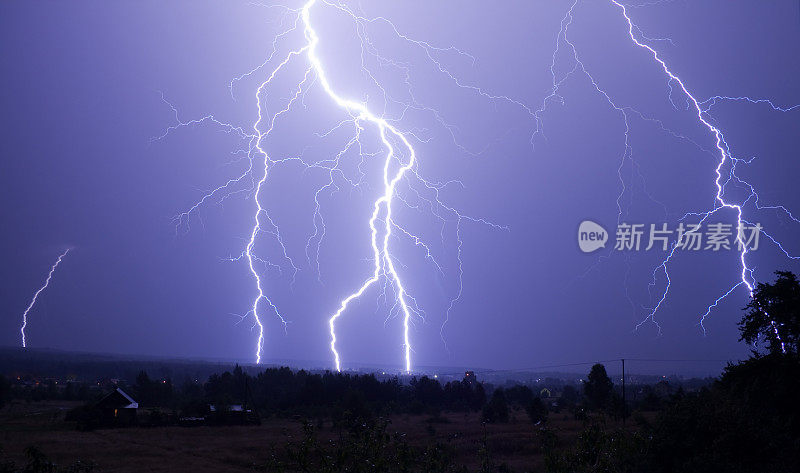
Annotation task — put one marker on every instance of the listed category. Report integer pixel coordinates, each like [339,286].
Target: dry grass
[237,448]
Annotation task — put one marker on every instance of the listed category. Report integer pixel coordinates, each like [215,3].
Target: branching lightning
[721,152]
[725,157]
[36,295]
[400,169]
[401,183]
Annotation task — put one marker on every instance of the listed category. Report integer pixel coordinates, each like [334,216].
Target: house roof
[118,399]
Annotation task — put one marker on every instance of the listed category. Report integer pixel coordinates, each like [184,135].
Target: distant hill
[89,367]
[92,367]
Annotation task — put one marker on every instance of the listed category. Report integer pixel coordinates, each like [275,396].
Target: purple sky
[81,96]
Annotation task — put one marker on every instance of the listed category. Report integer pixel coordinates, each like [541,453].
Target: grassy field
[245,448]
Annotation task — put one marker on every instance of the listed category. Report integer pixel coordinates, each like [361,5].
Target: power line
[585,363]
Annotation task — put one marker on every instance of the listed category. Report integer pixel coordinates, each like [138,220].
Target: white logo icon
[591,236]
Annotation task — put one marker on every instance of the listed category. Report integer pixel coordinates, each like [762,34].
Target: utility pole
[624,405]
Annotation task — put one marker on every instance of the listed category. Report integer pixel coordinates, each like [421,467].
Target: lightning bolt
[721,151]
[36,295]
[725,156]
[384,263]
[400,164]
[399,169]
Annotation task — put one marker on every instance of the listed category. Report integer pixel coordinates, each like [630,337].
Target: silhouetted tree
[427,391]
[774,315]
[598,388]
[152,393]
[478,399]
[5,391]
[143,390]
[496,410]
[748,420]
[569,396]
[537,411]
[353,414]
[519,395]
[650,400]
[458,395]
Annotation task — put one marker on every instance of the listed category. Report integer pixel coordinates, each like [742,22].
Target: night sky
[81,96]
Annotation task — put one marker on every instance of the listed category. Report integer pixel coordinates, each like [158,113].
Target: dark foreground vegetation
[747,420]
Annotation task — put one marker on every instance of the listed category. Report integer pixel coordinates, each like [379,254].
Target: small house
[117,408]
